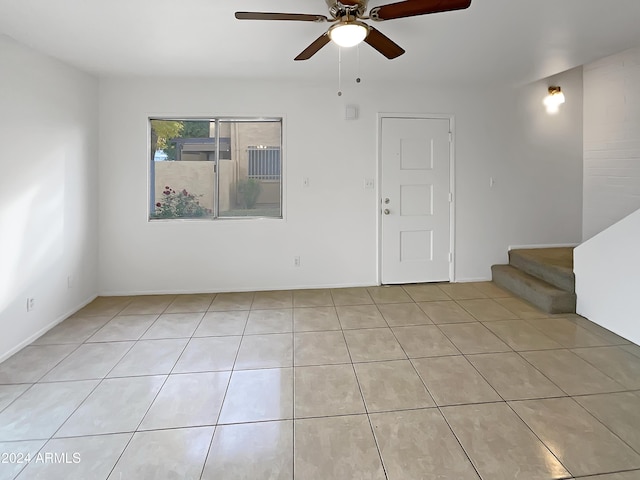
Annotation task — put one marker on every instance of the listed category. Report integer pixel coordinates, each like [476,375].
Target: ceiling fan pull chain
[339,71]
[358,80]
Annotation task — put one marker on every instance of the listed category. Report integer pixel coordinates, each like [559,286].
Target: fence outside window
[264,163]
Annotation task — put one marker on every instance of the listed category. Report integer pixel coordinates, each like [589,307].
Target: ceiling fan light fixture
[348,34]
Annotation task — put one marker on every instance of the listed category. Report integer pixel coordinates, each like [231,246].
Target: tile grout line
[155,396]
[190,338]
[226,391]
[502,398]
[161,387]
[604,424]
[534,321]
[39,382]
[588,413]
[598,368]
[624,388]
[293,400]
[521,419]
[497,393]
[26,465]
[506,402]
[30,386]
[538,437]
[436,403]
[455,435]
[587,477]
[92,390]
[366,408]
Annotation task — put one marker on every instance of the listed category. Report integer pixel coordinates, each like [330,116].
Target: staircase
[542,276]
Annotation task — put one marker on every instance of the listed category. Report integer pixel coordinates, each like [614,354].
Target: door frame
[452,186]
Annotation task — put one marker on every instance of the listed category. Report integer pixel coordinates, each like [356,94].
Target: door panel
[415,189]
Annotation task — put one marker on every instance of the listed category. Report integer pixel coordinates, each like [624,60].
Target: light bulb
[554,100]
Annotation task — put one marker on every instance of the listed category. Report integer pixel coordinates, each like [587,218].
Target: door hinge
[450,197]
[450,257]
[450,137]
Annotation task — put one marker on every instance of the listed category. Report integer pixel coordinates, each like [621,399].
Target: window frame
[217,119]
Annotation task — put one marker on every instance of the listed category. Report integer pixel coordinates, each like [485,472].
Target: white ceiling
[505,41]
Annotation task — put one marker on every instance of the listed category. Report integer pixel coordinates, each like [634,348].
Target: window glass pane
[182,169]
[251,179]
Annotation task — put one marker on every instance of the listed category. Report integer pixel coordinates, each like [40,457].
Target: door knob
[387,201]
[386,211]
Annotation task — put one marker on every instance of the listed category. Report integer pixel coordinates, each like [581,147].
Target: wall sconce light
[554,100]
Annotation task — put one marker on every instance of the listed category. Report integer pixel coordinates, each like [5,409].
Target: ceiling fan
[348,29]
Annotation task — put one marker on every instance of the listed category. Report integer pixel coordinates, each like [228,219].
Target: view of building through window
[217,167]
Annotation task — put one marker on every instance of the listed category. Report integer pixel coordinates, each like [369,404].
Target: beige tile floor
[453,381]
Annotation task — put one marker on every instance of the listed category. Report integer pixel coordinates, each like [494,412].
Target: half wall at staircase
[607,270]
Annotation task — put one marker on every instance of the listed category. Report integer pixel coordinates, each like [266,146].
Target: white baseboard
[45,329]
[548,245]
[469,280]
[119,293]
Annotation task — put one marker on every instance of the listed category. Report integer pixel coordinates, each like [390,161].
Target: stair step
[553,265]
[543,295]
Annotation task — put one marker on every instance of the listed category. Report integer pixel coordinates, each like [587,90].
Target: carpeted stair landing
[542,276]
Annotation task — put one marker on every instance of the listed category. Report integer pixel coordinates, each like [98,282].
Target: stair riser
[565,303]
[544,272]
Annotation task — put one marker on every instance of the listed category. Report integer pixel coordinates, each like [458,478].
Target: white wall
[48,192]
[331,224]
[611,140]
[546,170]
[607,278]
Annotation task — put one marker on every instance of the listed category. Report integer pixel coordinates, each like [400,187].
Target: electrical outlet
[296,261]
[369,183]
[31,304]
[305,182]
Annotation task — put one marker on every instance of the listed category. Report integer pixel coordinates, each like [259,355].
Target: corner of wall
[48,209]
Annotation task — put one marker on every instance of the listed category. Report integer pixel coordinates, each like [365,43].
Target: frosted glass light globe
[348,34]
[554,100]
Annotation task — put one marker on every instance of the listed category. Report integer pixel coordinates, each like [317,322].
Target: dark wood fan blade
[411,8]
[300,17]
[314,48]
[383,44]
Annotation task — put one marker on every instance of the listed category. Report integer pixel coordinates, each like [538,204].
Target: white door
[415,209]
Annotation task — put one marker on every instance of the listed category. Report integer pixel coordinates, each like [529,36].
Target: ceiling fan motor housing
[342,8]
